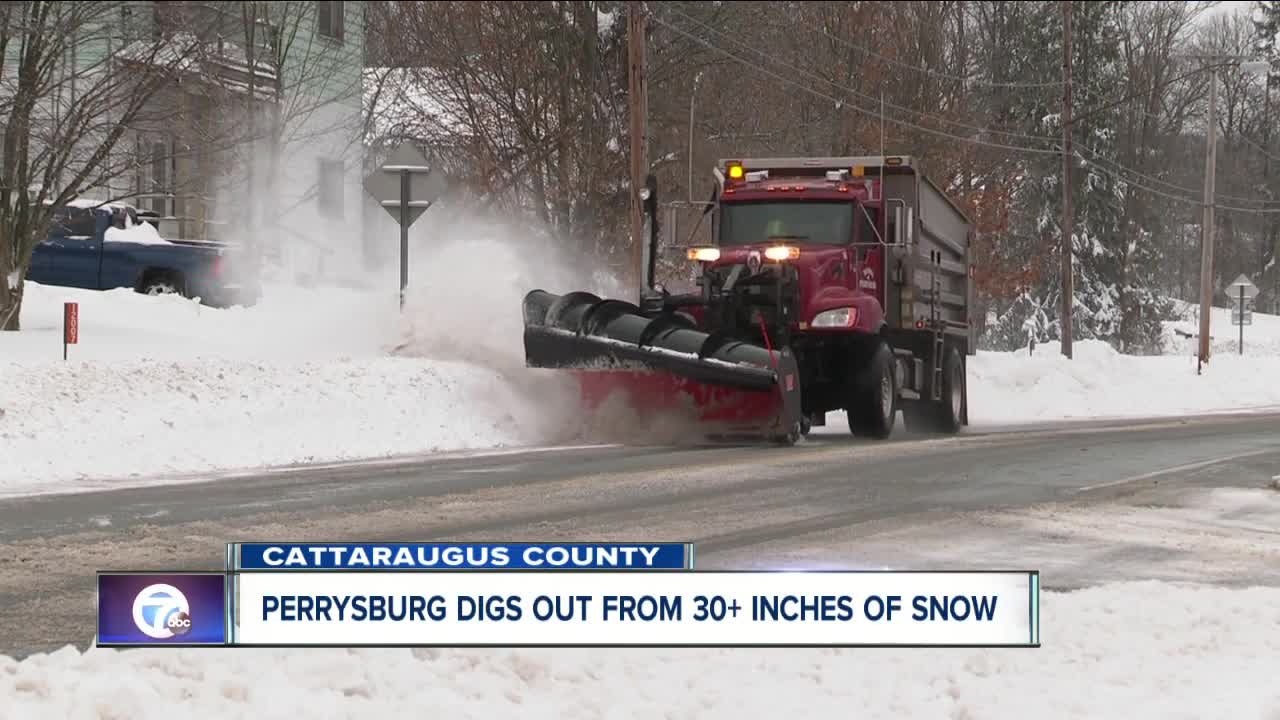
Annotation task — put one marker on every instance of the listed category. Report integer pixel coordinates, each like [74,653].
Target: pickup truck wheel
[160,284]
[872,404]
[160,288]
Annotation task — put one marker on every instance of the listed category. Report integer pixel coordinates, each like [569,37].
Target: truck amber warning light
[782,252]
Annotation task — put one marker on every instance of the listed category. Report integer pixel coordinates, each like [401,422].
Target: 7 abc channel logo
[162,612]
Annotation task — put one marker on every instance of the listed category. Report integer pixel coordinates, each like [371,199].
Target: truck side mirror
[898,232]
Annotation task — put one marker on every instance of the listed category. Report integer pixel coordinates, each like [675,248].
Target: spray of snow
[314,374]
[12,279]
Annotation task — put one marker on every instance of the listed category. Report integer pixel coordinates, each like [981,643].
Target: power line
[1039,138]
[1100,158]
[852,91]
[936,73]
[1185,200]
[1258,147]
[843,103]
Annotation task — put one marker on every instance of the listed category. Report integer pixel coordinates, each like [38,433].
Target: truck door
[871,255]
[72,252]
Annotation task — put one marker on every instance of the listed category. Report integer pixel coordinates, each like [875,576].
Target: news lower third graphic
[460,556]
[162,609]
[554,595]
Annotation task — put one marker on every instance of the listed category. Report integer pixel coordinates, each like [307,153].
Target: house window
[329,196]
[329,15]
[155,185]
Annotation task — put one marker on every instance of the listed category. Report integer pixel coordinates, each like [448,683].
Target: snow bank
[149,417]
[1100,382]
[1137,650]
[162,385]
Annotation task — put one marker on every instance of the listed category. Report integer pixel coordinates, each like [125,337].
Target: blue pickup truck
[110,246]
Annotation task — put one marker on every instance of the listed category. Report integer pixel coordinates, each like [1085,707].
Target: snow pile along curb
[1100,382]
[1139,650]
[113,420]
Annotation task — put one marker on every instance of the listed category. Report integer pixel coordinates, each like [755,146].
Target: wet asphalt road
[740,505]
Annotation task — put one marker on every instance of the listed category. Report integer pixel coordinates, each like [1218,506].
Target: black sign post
[405,187]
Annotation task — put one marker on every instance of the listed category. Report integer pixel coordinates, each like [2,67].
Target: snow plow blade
[664,365]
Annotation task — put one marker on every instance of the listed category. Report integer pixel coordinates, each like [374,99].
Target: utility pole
[639,108]
[1206,226]
[1068,280]
[1266,179]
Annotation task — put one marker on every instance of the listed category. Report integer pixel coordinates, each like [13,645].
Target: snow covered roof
[407,105]
[221,61]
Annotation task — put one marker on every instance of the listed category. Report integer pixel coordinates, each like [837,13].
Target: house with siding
[257,142]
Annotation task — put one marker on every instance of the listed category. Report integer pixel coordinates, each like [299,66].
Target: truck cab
[844,261]
[827,228]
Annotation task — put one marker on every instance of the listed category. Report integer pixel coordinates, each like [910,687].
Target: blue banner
[461,556]
[162,609]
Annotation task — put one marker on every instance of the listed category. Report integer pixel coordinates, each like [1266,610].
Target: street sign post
[1242,292]
[405,187]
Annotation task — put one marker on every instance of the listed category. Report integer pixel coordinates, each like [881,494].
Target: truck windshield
[825,223]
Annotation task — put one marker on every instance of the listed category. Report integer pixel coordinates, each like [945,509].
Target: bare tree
[71,89]
[306,83]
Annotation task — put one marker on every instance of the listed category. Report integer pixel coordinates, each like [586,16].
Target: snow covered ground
[1153,646]
[1138,650]
[165,386]
[1099,382]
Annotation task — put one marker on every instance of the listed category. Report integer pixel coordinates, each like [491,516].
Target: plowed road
[1085,503]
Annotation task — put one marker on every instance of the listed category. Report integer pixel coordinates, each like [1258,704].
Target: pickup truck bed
[107,247]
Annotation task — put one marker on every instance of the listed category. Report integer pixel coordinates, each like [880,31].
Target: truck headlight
[837,318]
[704,254]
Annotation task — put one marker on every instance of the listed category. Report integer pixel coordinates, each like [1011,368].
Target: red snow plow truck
[839,283]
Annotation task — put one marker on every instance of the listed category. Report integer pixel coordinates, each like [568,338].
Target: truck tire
[789,438]
[944,416]
[161,283]
[951,410]
[872,404]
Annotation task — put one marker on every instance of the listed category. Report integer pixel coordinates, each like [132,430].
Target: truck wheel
[160,287]
[873,397]
[791,437]
[160,284]
[805,425]
[950,411]
[947,415]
